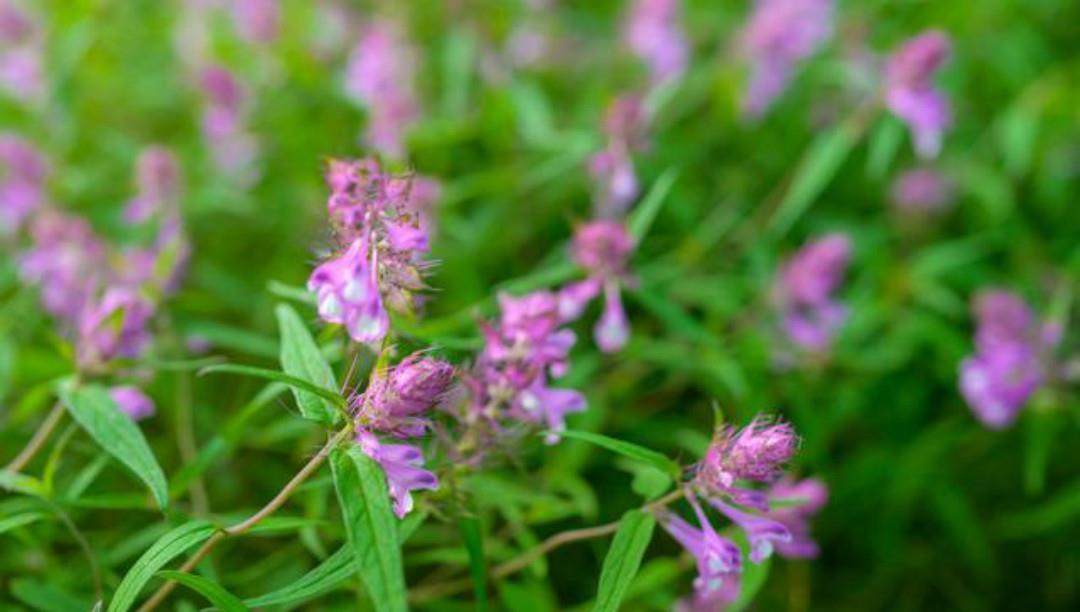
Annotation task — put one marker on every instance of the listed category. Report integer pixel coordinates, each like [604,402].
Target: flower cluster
[921,191]
[612,168]
[22,182]
[380,76]
[654,33]
[734,459]
[804,289]
[522,352]
[1011,358]
[777,36]
[396,403]
[232,146]
[21,54]
[910,93]
[381,230]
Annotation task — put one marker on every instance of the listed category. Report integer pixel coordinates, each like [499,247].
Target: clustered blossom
[396,404]
[612,168]
[778,35]
[1010,360]
[21,53]
[157,185]
[921,191]
[654,33]
[910,93]
[510,380]
[736,457]
[601,248]
[381,230]
[804,289]
[233,147]
[22,182]
[380,76]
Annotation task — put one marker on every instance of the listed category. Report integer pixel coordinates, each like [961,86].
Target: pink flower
[921,191]
[812,495]
[157,179]
[910,92]
[347,293]
[398,401]
[803,292]
[114,326]
[21,55]
[257,21]
[65,261]
[718,559]
[22,178]
[133,402]
[233,148]
[612,169]
[402,464]
[654,33]
[756,452]
[380,76]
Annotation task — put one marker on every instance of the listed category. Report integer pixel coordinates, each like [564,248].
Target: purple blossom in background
[114,326]
[921,191]
[654,32]
[22,182]
[233,148]
[257,21]
[402,464]
[21,73]
[601,248]
[65,261]
[133,402]
[813,494]
[910,93]
[612,169]
[1009,363]
[803,292]
[157,181]
[778,35]
[380,76]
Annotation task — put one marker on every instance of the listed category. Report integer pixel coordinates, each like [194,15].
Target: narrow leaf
[645,213]
[473,533]
[212,591]
[94,409]
[167,548]
[292,381]
[18,520]
[627,449]
[623,559]
[370,528]
[334,570]
[300,357]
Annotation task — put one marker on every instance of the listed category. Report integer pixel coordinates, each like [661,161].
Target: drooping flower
[232,146]
[347,293]
[612,169]
[921,191]
[1010,359]
[718,559]
[601,248]
[133,402]
[763,532]
[910,93]
[21,54]
[402,464]
[803,292]
[811,495]
[22,178]
[380,76]
[778,35]
[654,32]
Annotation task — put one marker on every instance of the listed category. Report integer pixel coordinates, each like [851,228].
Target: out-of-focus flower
[777,36]
[22,178]
[811,495]
[21,73]
[66,261]
[910,93]
[380,76]
[232,146]
[257,21]
[157,181]
[1010,360]
[114,326]
[803,292]
[654,32]
[921,191]
[402,464]
[718,559]
[133,402]
[612,169]
[602,248]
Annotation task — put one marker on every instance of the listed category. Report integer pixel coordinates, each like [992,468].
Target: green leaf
[167,548]
[18,520]
[818,166]
[20,483]
[884,144]
[334,570]
[292,381]
[645,213]
[753,578]
[473,533]
[623,559]
[212,591]
[627,449]
[300,357]
[370,527]
[94,409]
[46,596]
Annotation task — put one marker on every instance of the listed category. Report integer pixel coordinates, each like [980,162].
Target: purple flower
[756,452]
[114,326]
[22,177]
[921,191]
[612,330]
[396,402]
[157,180]
[778,35]
[602,247]
[402,464]
[910,92]
[612,169]
[20,55]
[233,148]
[803,292]
[257,21]
[813,494]
[132,402]
[718,559]
[380,76]
[654,33]
[763,532]
[66,261]
[347,293]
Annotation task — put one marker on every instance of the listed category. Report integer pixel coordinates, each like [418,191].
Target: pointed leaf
[645,213]
[300,357]
[623,559]
[334,570]
[167,548]
[296,383]
[473,532]
[212,591]
[627,449]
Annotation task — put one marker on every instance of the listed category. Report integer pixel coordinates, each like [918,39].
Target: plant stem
[245,525]
[38,440]
[525,559]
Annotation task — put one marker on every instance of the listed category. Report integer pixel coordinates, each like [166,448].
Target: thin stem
[245,525]
[38,440]
[526,559]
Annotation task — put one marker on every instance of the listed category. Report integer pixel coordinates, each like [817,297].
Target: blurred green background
[928,511]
